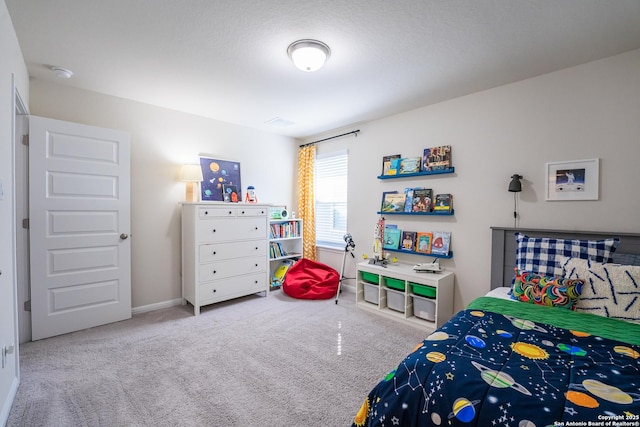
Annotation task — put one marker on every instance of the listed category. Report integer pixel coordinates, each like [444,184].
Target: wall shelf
[432,213]
[448,256]
[418,174]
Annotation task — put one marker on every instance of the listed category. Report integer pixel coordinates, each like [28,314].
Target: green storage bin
[392,283]
[369,277]
[423,290]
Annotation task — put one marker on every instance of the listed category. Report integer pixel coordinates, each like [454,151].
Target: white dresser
[224,251]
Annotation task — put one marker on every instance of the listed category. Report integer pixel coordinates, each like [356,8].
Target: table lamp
[192,175]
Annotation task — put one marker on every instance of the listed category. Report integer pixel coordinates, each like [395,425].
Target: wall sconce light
[308,55]
[515,186]
[192,175]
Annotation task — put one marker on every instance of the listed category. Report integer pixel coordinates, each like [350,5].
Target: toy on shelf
[251,195]
[378,239]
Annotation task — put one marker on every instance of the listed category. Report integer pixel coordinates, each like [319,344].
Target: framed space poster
[219,176]
[574,180]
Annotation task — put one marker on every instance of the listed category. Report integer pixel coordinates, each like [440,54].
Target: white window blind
[331,198]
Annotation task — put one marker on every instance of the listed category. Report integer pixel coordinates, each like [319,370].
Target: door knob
[124,236]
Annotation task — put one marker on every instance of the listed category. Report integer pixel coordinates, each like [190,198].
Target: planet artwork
[499,379]
[436,357]
[463,409]
[217,173]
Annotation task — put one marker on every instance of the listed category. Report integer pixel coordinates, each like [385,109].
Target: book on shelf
[386,164]
[276,250]
[285,230]
[409,165]
[441,242]
[408,203]
[391,237]
[436,158]
[408,241]
[443,203]
[423,242]
[422,200]
[280,272]
[393,202]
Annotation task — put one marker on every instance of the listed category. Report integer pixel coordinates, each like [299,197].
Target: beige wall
[161,141]
[589,111]
[12,72]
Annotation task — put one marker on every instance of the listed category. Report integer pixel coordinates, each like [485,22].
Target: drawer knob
[242,212]
[213,231]
[214,271]
[230,212]
[214,252]
[256,228]
[256,265]
[214,291]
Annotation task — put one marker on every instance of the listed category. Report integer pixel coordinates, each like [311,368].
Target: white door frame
[21,168]
[10,351]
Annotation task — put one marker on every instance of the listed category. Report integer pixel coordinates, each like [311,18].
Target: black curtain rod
[355,132]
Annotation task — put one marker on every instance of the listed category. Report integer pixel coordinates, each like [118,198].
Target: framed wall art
[219,175]
[573,180]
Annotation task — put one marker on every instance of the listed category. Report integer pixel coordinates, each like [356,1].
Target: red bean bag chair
[307,279]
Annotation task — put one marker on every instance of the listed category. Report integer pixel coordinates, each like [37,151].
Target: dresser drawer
[251,211]
[222,251]
[231,268]
[205,213]
[252,228]
[232,288]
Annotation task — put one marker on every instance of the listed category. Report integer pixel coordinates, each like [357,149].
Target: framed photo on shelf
[219,174]
[573,180]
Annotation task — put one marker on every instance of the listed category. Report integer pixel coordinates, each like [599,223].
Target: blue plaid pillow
[540,254]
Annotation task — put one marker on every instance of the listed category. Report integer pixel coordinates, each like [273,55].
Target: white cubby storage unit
[285,244]
[403,297]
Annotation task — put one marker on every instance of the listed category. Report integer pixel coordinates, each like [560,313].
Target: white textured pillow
[610,290]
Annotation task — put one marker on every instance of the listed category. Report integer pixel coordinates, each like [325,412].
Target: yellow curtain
[306,200]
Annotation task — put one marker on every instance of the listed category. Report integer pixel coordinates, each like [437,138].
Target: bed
[555,343]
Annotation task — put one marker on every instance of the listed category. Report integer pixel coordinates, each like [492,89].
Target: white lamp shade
[308,55]
[191,173]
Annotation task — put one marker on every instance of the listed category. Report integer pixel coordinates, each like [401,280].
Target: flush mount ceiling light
[62,73]
[308,55]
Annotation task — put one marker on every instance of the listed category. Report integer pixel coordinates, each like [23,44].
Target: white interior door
[79,208]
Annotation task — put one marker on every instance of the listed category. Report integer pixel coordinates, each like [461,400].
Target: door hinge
[25,223]
[25,140]
[27,305]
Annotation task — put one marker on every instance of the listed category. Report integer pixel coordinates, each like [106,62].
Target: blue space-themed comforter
[505,363]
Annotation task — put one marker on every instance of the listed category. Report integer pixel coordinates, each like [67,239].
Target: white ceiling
[227,59]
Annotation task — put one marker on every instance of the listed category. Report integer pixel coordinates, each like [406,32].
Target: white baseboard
[156,306]
[6,407]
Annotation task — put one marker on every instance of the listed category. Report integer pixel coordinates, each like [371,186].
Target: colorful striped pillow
[551,291]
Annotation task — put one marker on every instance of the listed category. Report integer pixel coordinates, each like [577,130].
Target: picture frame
[572,180]
[218,174]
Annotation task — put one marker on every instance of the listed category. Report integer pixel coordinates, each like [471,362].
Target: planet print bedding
[506,363]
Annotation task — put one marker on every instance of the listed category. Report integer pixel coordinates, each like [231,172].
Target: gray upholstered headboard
[503,247]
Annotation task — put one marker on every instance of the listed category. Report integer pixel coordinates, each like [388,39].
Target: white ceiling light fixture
[62,73]
[308,55]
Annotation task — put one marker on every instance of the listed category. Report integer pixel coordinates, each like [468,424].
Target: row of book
[433,159]
[285,230]
[276,250]
[427,242]
[416,200]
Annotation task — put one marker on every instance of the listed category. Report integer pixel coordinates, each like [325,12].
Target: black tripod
[349,247]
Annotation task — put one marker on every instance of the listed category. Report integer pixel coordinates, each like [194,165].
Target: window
[331,198]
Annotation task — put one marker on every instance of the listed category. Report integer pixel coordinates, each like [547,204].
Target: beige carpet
[254,361]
